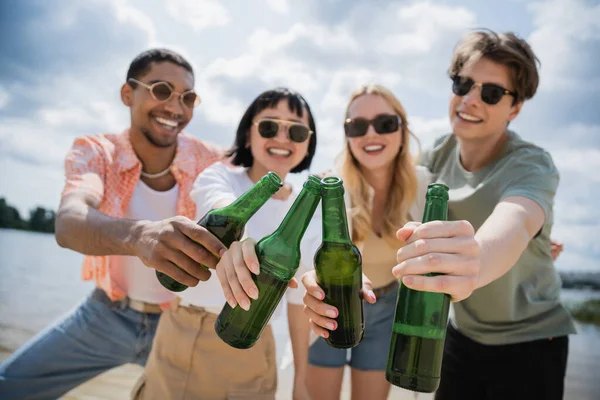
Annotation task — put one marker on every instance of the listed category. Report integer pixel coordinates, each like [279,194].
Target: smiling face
[279,153]
[373,151]
[470,117]
[157,122]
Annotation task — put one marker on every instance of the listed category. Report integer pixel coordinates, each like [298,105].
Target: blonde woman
[385,191]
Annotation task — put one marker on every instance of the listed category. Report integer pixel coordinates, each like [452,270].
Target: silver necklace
[157,175]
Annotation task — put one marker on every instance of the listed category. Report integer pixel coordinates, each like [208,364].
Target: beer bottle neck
[436,209]
[296,221]
[335,222]
[245,206]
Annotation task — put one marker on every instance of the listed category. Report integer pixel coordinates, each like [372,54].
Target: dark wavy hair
[242,156]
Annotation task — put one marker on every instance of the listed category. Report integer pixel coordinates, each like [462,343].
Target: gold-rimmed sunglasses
[297,131]
[163,92]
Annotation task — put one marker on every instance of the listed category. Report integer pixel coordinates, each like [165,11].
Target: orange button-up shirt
[106,167]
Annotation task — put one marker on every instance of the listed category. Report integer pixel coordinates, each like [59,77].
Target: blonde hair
[403,187]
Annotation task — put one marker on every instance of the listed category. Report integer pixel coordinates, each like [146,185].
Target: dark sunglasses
[490,92]
[269,127]
[162,92]
[383,124]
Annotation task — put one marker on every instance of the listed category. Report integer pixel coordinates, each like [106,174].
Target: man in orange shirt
[126,206]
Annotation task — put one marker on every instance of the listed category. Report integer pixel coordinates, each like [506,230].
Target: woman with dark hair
[188,360]
[267,104]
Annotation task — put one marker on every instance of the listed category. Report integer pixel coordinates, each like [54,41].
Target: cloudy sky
[63,63]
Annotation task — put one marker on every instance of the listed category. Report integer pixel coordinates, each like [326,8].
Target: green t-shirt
[524,304]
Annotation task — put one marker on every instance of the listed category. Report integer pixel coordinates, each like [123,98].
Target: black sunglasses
[162,92]
[490,92]
[383,124]
[268,128]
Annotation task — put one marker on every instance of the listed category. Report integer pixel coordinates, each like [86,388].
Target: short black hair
[242,156]
[142,63]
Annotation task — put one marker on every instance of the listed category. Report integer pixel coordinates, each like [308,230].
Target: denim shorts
[371,354]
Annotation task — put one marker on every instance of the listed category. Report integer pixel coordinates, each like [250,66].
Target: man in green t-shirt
[508,339]
[507,334]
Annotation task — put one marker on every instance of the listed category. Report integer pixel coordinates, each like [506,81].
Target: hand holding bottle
[179,247]
[443,247]
[279,259]
[234,273]
[322,316]
[227,223]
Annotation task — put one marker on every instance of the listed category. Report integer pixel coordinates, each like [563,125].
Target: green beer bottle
[419,330]
[227,223]
[338,265]
[279,258]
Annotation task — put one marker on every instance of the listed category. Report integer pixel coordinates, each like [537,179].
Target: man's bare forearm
[86,230]
[176,246]
[505,235]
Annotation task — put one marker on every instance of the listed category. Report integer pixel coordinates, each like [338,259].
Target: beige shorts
[189,361]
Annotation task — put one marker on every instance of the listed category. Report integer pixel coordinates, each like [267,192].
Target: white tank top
[147,204]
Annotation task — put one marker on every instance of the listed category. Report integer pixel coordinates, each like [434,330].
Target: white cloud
[585,162]
[45,136]
[569,213]
[578,132]
[345,80]
[326,63]
[4,97]
[566,31]
[127,14]
[428,129]
[422,25]
[290,72]
[575,150]
[220,109]
[199,14]
[331,39]
[237,68]
[581,247]
[27,185]
[33,145]
[82,100]
[79,118]
[279,6]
